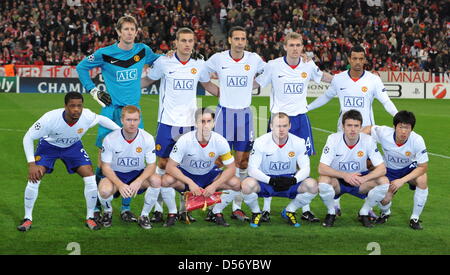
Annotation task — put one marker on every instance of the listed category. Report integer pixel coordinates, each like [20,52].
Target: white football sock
[168,195]
[242,173]
[106,203]
[337,202]
[267,203]
[237,202]
[374,196]
[306,208]
[159,203]
[31,194]
[326,192]
[151,195]
[227,197]
[385,209]
[160,171]
[90,194]
[299,201]
[420,198]
[252,201]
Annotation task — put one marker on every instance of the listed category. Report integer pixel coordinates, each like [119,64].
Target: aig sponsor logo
[293,88]
[183,84]
[349,166]
[353,101]
[394,159]
[236,81]
[279,165]
[126,75]
[200,164]
[67,140]
[128,162]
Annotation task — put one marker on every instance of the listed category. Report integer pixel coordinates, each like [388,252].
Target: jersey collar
[131,140]
[399,145]
[236,60]
[70,125]
[292,66]
[182,62]
[353,146]
[348,72]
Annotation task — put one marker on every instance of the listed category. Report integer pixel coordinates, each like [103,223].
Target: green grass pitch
[60,209]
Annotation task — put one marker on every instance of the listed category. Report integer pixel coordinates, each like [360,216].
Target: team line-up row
[239,72]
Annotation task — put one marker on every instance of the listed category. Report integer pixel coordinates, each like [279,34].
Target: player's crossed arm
[125,190]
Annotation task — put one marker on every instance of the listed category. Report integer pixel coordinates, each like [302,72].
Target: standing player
[179,76]
[343,169]
[236,69]
[289,76]
[406,159]
[273,171]
[192,166]
[122,64]
[129,162]
[59,133]
[356,89]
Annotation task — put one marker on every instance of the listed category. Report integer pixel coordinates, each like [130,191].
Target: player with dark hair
[406,158]
[236,69]
[191,166]
[343,169]
[59,133]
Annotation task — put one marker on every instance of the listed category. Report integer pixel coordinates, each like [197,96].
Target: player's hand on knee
[35,172]
[125,191]
[135,186]
[395,185]
[103,98]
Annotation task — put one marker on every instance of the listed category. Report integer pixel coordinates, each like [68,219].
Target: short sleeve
[328,151]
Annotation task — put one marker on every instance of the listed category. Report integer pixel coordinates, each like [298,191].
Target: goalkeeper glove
[282,183]
[103,98]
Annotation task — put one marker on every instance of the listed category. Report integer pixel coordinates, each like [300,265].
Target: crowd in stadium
[399,36]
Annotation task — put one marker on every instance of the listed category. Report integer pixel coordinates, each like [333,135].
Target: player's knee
[105,189]
[422,181]
[167,181]
[383,180]
[310,186]
[325,179]
[247,186]
[235,183]
[155,181]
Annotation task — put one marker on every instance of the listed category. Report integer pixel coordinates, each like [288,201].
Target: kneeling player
[343,169]
[406,159]
[273,171]
[60,133]
[191,167]
[124,154]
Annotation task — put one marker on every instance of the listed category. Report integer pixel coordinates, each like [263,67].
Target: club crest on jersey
[360,154]
[408,154]
[193,71]
[138,150]
[158,147]
[136,58]
[236,81]
[291,154]
[304,75]
[247,67]
[212,154]
[37,158]
[364,89]
[79,131]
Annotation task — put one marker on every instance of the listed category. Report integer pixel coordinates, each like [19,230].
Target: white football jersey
[289,86]
[339,156]
[398,157]
[357,95]
[178,89]
[125,156]
[235,78]
[268,157]
[53,128]
[197,160]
